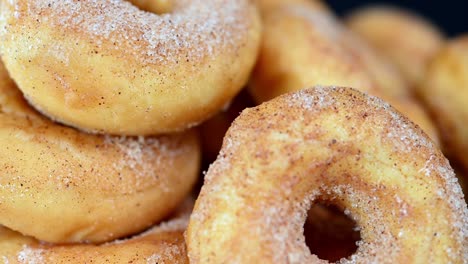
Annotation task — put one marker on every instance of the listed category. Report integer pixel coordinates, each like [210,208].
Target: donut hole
[330,233]
[153,6]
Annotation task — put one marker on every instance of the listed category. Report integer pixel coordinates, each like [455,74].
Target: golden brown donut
[163,243]
[336,145]
[318,50]
[107,66]
[445,91]
[321,51]
[61,185]
[405,38]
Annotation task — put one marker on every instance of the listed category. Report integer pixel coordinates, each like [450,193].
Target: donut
[318,50]
[163,243]
[110,67]
[410,47]
[61,185]
[321,51]
[334,145]
[445,92]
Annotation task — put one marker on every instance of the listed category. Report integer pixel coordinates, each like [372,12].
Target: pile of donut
[109,108]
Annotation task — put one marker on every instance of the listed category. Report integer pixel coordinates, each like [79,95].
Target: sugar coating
[30,256]
[169,256]
[322,21]
[192,31]
[178,224]
[142,154]
[249,166]
[170,252]
[407,138]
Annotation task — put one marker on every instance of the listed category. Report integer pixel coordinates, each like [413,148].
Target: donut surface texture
[319,50]
[106,66]
[445,91]
[161,244]
[336,145]
[61,185]
[406,39]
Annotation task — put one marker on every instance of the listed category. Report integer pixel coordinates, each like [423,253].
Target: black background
[450,16]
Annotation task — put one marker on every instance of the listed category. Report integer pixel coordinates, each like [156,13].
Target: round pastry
[317,51]
[161,244]
[60,185]
[405,38]
[320,51]
[445,91]
[107,66]
[337,146]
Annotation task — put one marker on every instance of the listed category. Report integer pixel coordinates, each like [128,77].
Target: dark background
[450,16]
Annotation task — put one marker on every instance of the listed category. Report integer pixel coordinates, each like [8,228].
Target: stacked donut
[107,108]
[129,85]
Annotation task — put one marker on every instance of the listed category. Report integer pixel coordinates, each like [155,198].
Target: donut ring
[411,47]
[319,50]
[336,145]
[60,185]
[101,65]
[161,244]
[445,91]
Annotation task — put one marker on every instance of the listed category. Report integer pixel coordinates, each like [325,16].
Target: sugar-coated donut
[163,243]
[445,91]
[107,66]
[405,38]
[319,50]
[61,185]
[335,145]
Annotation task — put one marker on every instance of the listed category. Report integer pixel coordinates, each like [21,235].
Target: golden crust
[161,244]
[324,53]
[103,65]
[445,91]
[61,185]
[418,114]
[337,145]
[410,47]
[321,51]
